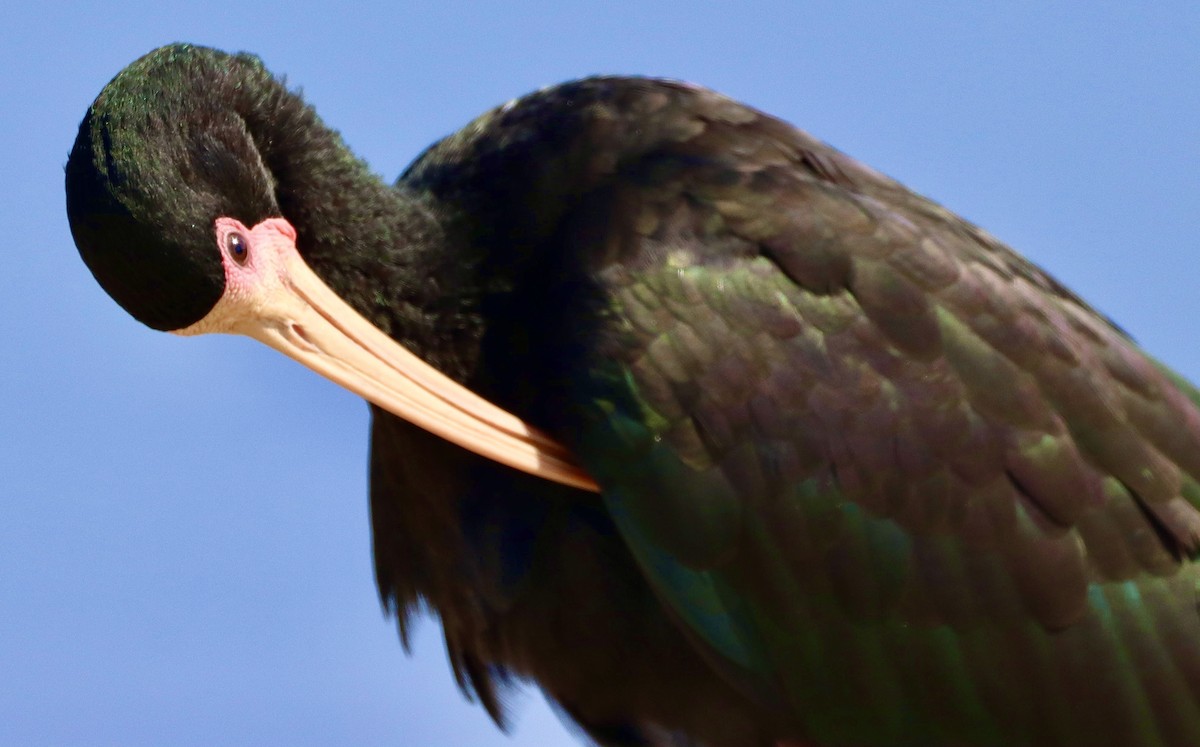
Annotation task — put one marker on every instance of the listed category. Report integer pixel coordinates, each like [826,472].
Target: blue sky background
[184,547]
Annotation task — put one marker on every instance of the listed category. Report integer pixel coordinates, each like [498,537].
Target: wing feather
[870,454]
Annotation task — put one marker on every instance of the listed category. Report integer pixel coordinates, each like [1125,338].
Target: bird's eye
[237,246]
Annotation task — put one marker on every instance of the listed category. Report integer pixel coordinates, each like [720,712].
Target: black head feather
[161,154]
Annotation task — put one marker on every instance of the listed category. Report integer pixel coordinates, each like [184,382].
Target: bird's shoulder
[524,165]
[546,151]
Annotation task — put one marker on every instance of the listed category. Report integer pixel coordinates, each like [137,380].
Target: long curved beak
[304,319]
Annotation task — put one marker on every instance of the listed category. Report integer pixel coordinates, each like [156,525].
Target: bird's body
[867,477]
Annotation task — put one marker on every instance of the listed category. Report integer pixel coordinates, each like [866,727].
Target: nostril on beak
[299,334]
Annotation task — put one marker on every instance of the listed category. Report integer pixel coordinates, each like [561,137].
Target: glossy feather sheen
[888,472]
[869,478]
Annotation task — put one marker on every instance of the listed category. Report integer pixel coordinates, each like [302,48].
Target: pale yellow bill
[302,318]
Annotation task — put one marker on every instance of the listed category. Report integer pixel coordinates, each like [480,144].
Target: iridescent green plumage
[869,477]
[887,471]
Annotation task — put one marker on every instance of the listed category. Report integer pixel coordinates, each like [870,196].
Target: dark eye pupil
[236,244]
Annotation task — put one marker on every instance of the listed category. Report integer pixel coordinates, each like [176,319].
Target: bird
[713,433]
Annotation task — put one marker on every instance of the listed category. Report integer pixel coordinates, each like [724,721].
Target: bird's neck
[382,249]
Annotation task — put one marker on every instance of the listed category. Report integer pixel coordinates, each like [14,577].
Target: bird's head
[175,208]
[164,152]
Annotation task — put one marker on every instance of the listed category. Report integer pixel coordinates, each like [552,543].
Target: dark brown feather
[941,475]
